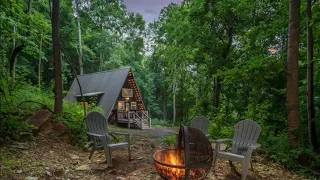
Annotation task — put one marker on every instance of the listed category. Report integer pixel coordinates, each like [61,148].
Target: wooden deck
[139,120]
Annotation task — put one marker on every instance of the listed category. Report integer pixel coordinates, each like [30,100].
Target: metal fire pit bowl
[191,160]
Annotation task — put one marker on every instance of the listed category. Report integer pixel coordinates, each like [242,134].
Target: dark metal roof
[108,82]
[89,94]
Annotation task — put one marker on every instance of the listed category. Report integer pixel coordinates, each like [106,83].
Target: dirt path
[157,131]
[50,158]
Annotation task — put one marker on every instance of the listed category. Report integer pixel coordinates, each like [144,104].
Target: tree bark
[39,65]
[56,57]
[13,60]
[217,90]
[174,103]
[310,100]
[293,114]
[14,38]
[164,104]
[101,60]
[80,39]
[18,49]
[30,6]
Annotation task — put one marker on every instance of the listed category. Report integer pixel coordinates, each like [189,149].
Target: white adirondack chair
[201,123]
[246,134]
[98,133]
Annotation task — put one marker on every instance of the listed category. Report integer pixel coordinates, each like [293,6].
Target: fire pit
[191,160]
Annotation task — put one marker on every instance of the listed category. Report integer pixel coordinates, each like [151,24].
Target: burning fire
[172,158]
[175,158]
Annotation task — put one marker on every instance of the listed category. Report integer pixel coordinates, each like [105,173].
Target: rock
[40,118]
[19,171]
[20,146]
[59,129]
[59,171]
[48,173]
[139,158]
[92,167]
[51,152]
[31,178]
[74,157]
[120,178]
[114,172]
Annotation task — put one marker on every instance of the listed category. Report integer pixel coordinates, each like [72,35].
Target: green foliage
[158,122]
[169,141]
[14,126]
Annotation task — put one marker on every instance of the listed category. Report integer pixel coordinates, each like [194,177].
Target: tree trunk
[101,60]
[293,73]
[80,39]
[13,60]
[14,38]
[311,111]
[18,49]
[56,57]
[164,105]
[174,103]
[217,90]
[30,6]
[39,65]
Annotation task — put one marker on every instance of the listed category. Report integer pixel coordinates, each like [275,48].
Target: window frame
[135,105]
[123,106]
[130,92]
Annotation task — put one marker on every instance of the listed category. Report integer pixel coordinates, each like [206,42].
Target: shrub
[157,122]
[169,141]
[13,124]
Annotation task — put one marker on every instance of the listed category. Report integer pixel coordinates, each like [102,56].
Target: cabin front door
[127,107]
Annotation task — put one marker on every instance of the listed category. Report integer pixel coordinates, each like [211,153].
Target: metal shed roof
[108,82]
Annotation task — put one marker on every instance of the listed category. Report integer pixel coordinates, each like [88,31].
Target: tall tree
[18,49]
[56,57]
[79,37]
[293,114]
[311,112]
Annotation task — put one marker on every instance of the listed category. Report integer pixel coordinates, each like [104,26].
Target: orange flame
[175,158]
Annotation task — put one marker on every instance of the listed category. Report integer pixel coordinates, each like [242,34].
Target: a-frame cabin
[117,92]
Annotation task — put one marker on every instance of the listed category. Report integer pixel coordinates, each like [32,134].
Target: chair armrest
[218,142]
[127,135]
[250,150]
[254,146]
[95,135]
[120,133]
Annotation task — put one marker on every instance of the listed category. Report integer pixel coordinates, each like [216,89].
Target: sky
[149,9]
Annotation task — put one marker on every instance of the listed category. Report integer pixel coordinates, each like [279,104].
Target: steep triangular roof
[109,82]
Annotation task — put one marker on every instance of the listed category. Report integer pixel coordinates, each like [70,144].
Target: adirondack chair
[98,133]
[201,123]
[246,134]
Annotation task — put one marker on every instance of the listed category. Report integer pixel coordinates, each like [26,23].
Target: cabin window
[121,105]
[127,107]
[127,92]
[133,105]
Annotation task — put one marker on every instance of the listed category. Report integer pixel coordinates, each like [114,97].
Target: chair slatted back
[201,123]
[97,124]
[246,133]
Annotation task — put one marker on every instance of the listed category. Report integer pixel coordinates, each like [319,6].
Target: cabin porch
[132,119]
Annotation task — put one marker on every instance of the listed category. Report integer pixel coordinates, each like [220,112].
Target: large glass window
[127,92]
[121,105]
